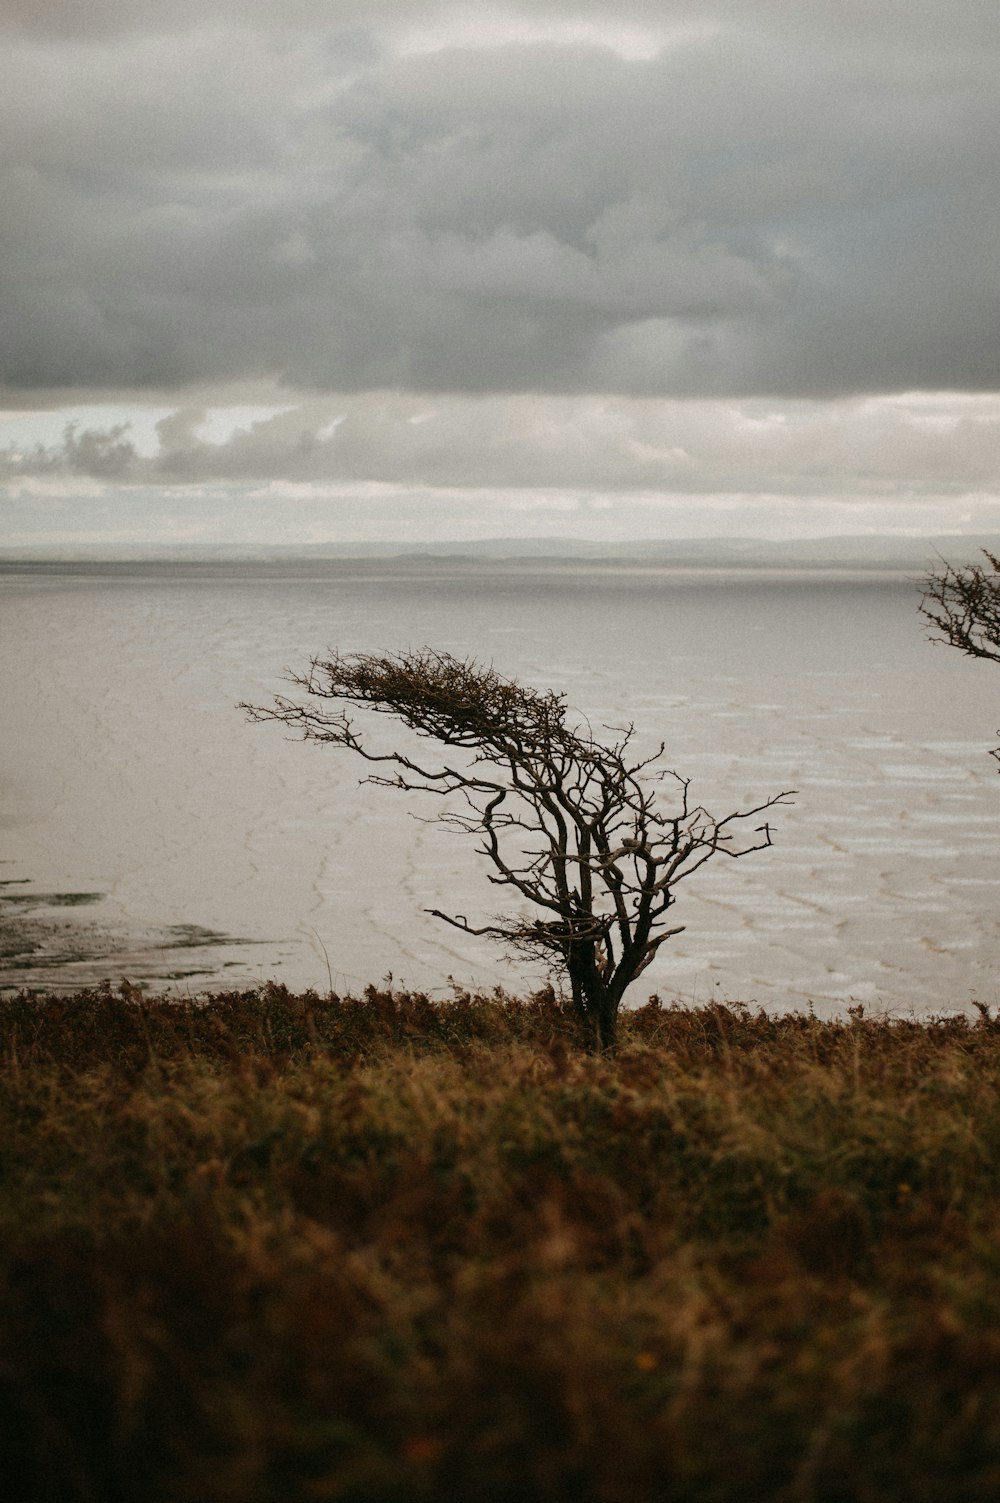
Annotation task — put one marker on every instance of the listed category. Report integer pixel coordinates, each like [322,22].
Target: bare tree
[572,825]
[963,607]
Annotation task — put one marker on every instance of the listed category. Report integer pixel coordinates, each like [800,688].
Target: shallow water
[204,851]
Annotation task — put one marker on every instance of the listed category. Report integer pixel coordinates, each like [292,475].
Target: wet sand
[215,853]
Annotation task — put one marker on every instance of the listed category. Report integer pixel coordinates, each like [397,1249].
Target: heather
[261,1246]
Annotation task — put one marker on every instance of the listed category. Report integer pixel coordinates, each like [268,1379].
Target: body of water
[147,830]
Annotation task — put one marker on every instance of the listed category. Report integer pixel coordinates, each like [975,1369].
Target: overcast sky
[608,269]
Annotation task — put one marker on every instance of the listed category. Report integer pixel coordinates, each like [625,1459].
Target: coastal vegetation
[577,829]
[961,605]
[260,1246]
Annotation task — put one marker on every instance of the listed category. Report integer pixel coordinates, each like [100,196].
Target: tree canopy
[962,605]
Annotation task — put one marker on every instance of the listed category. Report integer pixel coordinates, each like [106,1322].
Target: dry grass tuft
[277,1248]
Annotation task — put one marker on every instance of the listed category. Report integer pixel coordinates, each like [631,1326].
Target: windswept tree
[963,607]
[576,828]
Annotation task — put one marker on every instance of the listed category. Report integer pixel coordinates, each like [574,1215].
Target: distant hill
[853,552]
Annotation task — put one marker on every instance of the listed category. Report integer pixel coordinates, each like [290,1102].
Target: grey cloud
[921,21]
[99,453]
[886,447]
[104,454]
[115,18]
[796,199]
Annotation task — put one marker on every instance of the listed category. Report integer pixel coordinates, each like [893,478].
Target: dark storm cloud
[787,198]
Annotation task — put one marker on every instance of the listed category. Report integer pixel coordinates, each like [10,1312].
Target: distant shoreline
[857,553]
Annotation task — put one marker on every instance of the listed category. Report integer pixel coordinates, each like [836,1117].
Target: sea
[149,832]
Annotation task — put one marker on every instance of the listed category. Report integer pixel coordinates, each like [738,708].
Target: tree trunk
[595,1002]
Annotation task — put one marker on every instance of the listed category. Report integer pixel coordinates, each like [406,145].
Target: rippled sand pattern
[223,854]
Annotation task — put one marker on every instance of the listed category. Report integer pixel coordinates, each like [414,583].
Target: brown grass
[265,1247]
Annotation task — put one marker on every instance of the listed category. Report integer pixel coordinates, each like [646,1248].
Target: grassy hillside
[265,1248]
